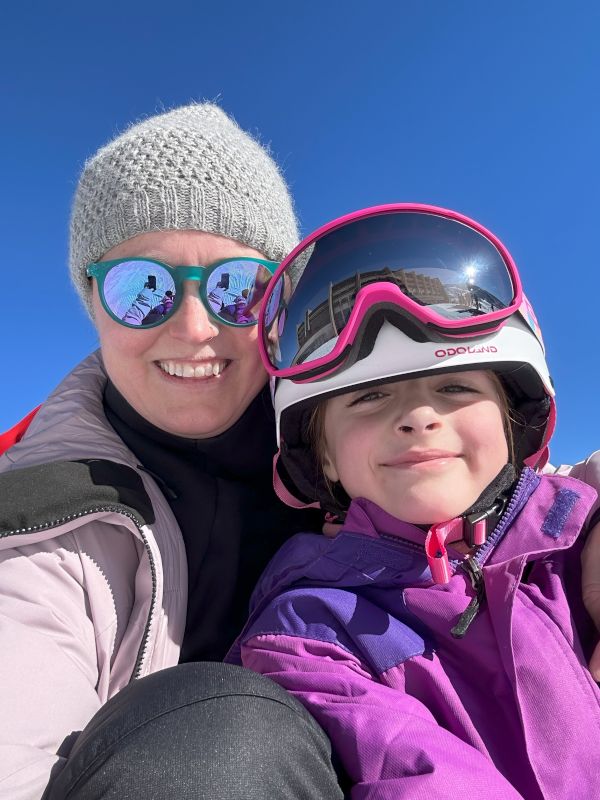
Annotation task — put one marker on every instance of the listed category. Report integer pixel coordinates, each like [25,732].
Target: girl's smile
[422,458]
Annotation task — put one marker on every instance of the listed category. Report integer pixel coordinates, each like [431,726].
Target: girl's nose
[418,418]
[192,322]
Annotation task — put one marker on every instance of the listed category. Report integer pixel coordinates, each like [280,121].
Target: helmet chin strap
[474,526]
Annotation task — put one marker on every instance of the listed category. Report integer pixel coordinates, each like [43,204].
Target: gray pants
[206,731]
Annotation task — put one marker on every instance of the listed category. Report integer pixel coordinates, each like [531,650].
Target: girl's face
[421,449]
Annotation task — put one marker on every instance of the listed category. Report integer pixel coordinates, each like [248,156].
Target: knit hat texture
[190,168]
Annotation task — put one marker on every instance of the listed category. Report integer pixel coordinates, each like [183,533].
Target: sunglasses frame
[382,293]
[100,269]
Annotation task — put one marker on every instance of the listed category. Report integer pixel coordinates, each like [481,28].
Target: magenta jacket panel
[355,628]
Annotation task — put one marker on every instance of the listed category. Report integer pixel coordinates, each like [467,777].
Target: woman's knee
[204,730]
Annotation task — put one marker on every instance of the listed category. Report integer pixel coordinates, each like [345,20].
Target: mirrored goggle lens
[234,291]
[441,264]
[139,292]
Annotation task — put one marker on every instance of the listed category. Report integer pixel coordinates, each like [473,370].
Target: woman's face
[422,449]
[192,342]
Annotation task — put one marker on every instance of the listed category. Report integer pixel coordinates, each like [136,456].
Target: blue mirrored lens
[139,292]
[274,301]
[234,291]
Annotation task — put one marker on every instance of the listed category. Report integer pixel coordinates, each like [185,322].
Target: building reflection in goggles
[450,300]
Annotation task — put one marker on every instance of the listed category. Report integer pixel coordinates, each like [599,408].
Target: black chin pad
[501,485]
[528,427]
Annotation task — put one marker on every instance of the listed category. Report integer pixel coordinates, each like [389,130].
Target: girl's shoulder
[587,471]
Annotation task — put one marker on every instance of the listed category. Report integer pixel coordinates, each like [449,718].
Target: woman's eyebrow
[157,256]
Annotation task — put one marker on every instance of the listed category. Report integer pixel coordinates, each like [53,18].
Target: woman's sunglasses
[144,293]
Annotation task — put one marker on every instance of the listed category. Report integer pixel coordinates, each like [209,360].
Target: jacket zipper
[402,543]
[475,573]
[118,510]
[505,519]
[472,564]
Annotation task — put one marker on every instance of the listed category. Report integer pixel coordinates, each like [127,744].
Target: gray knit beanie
[190,168]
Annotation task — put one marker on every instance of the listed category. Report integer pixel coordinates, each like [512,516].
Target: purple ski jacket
[355,628]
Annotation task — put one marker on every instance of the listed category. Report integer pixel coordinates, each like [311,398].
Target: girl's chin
[425,514]
[425,503]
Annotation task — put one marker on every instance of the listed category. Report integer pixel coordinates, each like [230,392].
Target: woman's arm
[588,471]
[590,563]
[56,640]
[48,665]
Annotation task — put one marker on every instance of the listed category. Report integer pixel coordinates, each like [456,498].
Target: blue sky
[491,108]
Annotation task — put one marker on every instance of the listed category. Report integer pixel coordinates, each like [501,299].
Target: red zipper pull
[435,549]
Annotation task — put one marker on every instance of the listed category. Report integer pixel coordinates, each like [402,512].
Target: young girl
[439,638]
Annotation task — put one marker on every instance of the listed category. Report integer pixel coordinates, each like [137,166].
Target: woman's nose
[192,322]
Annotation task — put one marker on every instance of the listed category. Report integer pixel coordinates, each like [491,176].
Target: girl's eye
[457,388]
[367,397]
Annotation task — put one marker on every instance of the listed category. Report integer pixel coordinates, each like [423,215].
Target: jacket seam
[375,674]
[165,712]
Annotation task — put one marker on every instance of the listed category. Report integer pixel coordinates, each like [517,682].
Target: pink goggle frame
[384,292]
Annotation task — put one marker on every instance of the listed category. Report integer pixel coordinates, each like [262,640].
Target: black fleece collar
[242,451]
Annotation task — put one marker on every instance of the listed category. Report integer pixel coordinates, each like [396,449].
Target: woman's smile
[202,369]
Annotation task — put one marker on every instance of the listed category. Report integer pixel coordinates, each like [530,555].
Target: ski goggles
[144,293]
[436,274]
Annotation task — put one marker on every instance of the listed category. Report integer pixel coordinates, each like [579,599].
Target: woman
[137,511]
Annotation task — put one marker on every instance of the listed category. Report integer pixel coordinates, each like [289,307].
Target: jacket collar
[369,519]
[71,424]
[367,552]
[550,512]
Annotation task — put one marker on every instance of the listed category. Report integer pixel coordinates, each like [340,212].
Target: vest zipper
[118,510]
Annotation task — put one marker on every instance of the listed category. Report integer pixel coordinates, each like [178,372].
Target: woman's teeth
[205,370]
